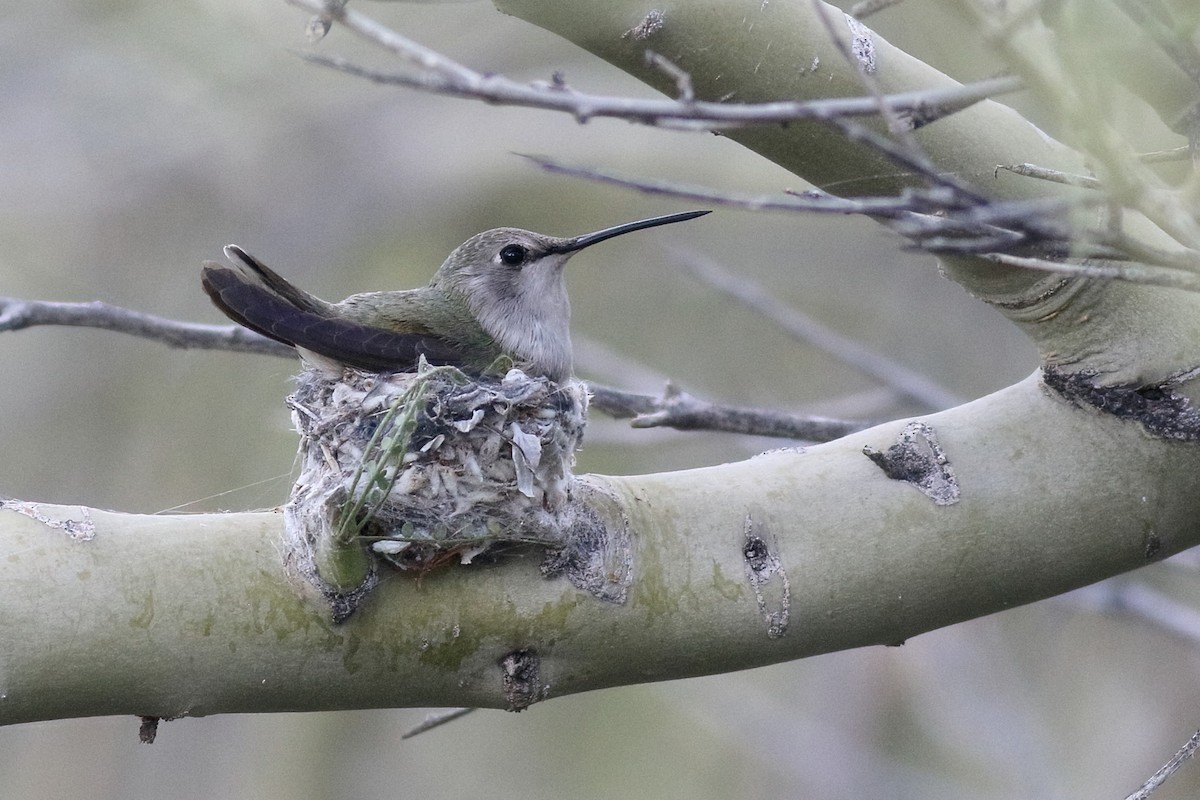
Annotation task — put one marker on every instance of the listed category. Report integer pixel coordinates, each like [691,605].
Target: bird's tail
[256,297]
[250,267]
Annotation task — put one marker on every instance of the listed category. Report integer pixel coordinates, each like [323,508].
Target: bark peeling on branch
[862,45]
[917,458]
[522,679]
[768,578]
[1162,412]
[81,528]
[651,24]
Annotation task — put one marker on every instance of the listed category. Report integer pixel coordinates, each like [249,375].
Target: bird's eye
[514,255]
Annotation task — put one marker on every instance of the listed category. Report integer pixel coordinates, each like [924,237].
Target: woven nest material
[432,464]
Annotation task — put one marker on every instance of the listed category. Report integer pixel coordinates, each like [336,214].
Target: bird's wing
[260,306]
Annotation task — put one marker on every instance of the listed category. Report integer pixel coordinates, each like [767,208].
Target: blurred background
[138,138]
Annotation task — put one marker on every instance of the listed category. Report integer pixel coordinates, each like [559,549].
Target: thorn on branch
[942,104]
[436,719]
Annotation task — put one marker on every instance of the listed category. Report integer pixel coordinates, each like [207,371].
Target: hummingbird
[500,293]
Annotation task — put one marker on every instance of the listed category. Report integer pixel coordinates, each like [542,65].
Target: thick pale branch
[786,555]
[870,539]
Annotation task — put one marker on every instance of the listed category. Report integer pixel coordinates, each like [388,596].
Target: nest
[431,465]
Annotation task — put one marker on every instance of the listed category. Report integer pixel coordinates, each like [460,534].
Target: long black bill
[589,239]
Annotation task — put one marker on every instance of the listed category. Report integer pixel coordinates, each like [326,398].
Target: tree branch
[16,314]
[676,410]
[683,412]
[942,219]
[1167,770]
[806,329]
[440,74]
[789,554]
[922,106]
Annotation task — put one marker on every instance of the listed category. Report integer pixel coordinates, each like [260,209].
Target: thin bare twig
[683,79]
[903,206]
[1052,175]
[946,216]
[1166,34]
[1127,179]
[1160,156]
[684,113]
[1148,604]
[812,201]
[438,73]
[1168,769]
[16,314]
[1135,273]
[806,329]
[680,410]
[938,220]
[921,215]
